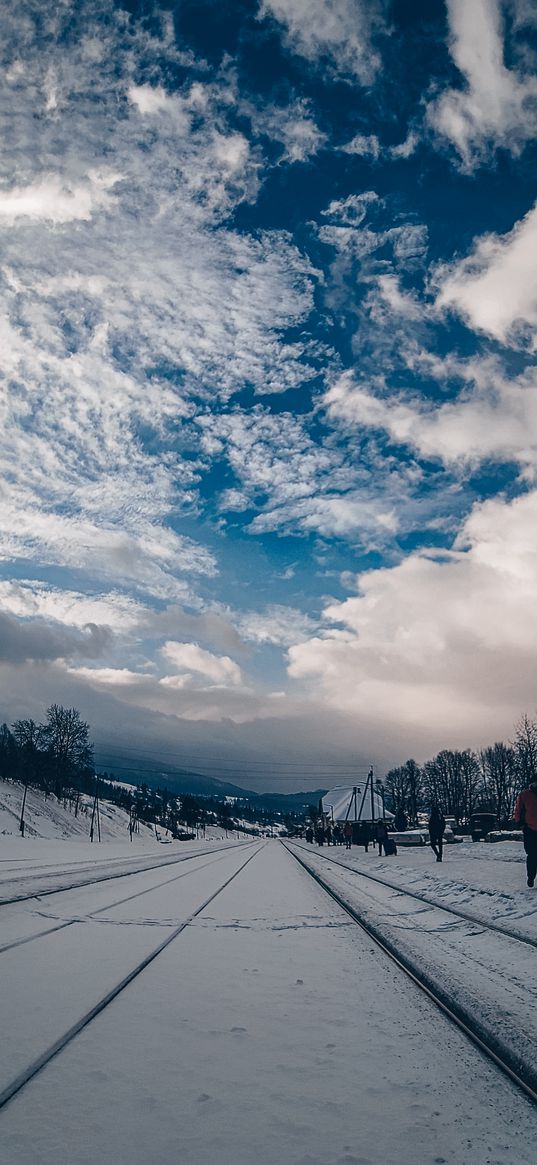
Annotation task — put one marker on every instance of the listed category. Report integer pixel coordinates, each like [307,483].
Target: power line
[195,758]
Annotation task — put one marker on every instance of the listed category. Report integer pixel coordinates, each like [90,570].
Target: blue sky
[269,294]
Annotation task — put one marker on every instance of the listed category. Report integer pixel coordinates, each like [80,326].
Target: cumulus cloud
[495,287]
[34,639]
[351,211]
[277,624]
[498,105]
[54,200]
[339,32]
[294,126]
[438,641]
[27,598]
[492,418]
[364,145]
[189,657]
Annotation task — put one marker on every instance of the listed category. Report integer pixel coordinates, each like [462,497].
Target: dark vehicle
[481,824]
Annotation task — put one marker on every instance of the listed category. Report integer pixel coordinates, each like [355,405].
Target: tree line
[462,782]
[57,758]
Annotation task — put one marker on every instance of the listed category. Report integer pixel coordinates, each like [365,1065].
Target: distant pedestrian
[401,821]
[526,816]
[338,835]
[437,828]
[381,833]
[365,835]
[319,835]
[347,834]
[329,835]
[309,835]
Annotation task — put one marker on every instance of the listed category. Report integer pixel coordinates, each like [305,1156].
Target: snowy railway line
[107,873]
[31,1070]
[273,1030]
[482,1027]
[22,940]
[527,940]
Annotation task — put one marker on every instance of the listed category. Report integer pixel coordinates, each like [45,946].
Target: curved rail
[45,1058]
[523,1076]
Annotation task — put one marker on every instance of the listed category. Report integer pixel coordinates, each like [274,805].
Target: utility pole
[21,822]
[95,812]
[370,780]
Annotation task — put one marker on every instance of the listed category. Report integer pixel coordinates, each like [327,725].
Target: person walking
[437,828]
[347,834]
[381,833]
[526,816]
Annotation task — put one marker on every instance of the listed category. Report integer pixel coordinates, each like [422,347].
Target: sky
[269,391]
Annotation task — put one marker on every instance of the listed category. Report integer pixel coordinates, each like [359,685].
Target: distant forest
[57,758]
[463,782]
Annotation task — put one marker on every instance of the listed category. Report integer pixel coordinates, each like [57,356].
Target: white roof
[342,804]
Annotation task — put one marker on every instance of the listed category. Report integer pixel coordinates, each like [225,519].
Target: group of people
[525,815]
[350,833]
[376,832]
[365,832]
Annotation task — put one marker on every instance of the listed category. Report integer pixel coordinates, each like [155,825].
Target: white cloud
[494,417]
[495,287]
[277,624]
[352,210]
[29,599]
[497,106]
[364,145]
[339,31]
[293,125]
[219,669]
[123,301]
[153,99]
[53,199]
[443,644]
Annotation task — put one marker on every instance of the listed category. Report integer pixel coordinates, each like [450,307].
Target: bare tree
[66,739]
[500,775]
[525,746]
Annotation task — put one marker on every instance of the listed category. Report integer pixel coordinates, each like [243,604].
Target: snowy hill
[48,818]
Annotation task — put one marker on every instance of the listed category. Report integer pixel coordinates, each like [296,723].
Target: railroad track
[20,942]
[524,1076]
[33,1069]
[103,877]
[463,914]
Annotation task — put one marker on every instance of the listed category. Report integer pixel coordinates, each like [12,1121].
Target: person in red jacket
[526,816]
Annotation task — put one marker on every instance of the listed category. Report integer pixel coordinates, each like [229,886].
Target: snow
[269,1031]
[489,974]
[47,817]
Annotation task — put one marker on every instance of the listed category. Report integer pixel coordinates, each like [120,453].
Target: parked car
[481,824]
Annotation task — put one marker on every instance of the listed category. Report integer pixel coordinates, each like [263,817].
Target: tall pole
[370,779]
[94,810]
[21,822]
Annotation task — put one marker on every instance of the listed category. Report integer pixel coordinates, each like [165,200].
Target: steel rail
[495,926]
[20,942]
[11,1090]
[171,861]
[522,1075]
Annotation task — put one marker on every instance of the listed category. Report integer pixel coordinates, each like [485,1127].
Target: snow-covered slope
[48,818]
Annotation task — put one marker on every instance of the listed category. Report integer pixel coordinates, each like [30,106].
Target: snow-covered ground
[46,817]
[270,1030]
[490,975]
[488,881]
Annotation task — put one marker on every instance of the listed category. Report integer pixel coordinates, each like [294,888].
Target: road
[268,1030]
